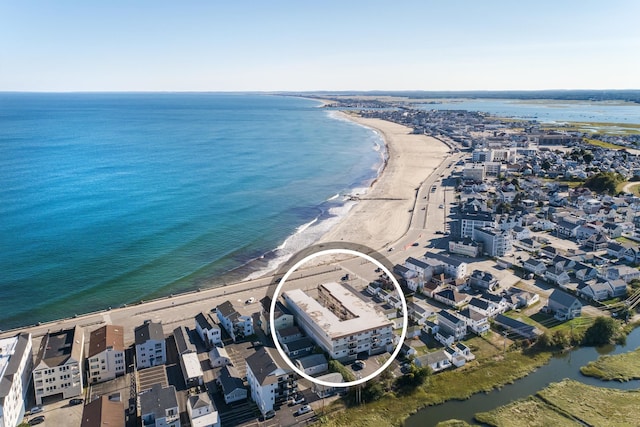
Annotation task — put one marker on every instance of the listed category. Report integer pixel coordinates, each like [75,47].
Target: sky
[299,45]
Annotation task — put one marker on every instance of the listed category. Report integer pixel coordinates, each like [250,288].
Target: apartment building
[151,349]
[343,324]
[58,365]
[106,353]
[16,363]
[271,383]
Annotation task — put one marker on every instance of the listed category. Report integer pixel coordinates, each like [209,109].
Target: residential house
[282,317]
[516,327]
[568,226]
[270,383]
[618,287]
[483,280]
[288,334]
[189,362]
[521,298]
[535,266]
[562,263]
[585,272]
[202,411]
[466,247]
[596,242]
[58,366]
[452,297]
[418,313]
[313,364]
[475,321]
[431,288]
[231,384]
[159,407]
[520,233]
[208,330]
[550,251]
[465,351]
[556,276]
[485,307]
[621,252]
[437,361]
[103,412]
[298,348]
[563,305]
[451,324]
[16,364]
[613,230]
[325,391]
[452,267]
[151,349]
[623,272]
[218,356]
[457,359]
[106,354]
[237,325]
[596,291]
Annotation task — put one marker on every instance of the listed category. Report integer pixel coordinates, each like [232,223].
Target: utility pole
[504,343]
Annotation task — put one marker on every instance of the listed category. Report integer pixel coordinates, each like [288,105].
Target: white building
[270,383]
[16,363]
[345,325]
[202,412]
[218,356]
[58,366]
[282,318]
[159,407]
[474,172]
[106,353]
[151,349]
[495,243]
[208,331]
[451,266]
[237,325]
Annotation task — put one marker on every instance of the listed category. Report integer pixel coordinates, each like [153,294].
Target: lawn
[529,412]
[619,367]
[593,405]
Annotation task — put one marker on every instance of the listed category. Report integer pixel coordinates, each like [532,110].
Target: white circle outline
[286,358]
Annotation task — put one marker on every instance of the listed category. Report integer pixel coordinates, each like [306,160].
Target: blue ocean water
[547,111]
[113,198]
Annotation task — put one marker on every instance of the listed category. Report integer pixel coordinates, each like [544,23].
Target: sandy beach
[382,215]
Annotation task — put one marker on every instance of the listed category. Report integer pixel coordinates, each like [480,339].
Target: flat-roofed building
[346,326]
[16,363]
[106,353]
[151,348]
[58,366]
[103,412]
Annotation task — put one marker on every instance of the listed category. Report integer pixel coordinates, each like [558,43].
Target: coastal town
[523,236]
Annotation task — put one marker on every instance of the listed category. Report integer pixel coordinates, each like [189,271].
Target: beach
[379,219]
[382,215]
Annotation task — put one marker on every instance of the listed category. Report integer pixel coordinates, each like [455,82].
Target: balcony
[353,345]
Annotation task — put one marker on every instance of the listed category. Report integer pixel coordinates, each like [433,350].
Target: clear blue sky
[271,45]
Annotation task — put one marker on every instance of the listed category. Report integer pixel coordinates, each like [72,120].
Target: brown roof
[103,412]
[106,337]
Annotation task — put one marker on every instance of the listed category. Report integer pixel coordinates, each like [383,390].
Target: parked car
[303,410]
[76,401]
[36,409]
[270,414]
[359,364]
[36,420]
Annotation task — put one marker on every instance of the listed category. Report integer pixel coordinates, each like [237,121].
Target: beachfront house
[238,326]
[151,349]
[106,353]
[58,366]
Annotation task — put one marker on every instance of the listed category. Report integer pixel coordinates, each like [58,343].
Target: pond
[565,365]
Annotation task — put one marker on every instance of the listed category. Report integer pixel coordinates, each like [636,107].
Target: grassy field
[490,370]
[598,143]
[529,412]
[593,405]
[618,367]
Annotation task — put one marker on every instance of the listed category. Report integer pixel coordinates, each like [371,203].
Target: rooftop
[58,347]
[364,315]
[149,331]
[106,337]
[103,412]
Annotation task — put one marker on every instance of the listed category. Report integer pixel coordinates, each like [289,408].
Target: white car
[303,410]
[250,300]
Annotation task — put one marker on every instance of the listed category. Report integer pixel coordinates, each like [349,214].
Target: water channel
[566,365]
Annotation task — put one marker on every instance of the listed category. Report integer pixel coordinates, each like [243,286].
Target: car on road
[36,420]
[76,401]
[35,410]
[268,415]
[439,232]
[441,206]
[415,244]
[303,410]
[250,300]
[359,364]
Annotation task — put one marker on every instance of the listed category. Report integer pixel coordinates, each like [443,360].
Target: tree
[604,182]
[603,331]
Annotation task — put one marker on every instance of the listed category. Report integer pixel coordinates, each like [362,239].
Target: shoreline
[406,166]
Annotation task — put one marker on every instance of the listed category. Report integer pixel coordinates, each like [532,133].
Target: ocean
[112,198]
